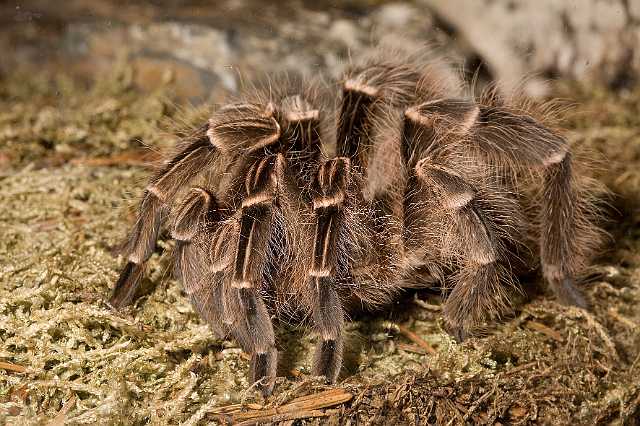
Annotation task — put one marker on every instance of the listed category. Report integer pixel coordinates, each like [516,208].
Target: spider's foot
[263,369]
[127,285]
[568,294]
[328,359]
[457,332]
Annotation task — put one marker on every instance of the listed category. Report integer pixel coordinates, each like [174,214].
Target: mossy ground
[70,164]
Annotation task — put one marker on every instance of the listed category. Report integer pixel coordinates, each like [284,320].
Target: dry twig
[12,367]
[127,158]
[416,339]
[538,326]
[412,348]
[60,418]
[307,406]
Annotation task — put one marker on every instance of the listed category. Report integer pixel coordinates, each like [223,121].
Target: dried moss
[61,217]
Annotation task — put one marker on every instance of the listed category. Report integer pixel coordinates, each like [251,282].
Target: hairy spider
[427,185]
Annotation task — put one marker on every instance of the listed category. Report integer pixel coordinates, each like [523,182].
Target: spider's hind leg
[511,142]
[560,247]
[566,230]
[471,238]
[451,220]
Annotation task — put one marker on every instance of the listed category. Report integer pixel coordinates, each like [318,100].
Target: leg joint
[331,183]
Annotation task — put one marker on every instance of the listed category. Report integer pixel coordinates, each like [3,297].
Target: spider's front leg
[329,199]
[196,153]
[250,321]
[367,92]
[194,224]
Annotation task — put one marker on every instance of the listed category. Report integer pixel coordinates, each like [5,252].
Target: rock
[593,40]
[207,51]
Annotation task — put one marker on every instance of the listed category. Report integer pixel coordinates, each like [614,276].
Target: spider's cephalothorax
[426,186]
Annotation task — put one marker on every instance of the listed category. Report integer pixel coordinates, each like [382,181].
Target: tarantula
[419,185]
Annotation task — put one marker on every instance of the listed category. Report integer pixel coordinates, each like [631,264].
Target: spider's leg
[251,324]
[466,231]
[330,196]
[301,140]
[193,226]
[366,92]
[354,121]
[301,122]
[567,233]
[470,237]
[513,140]
[189,161]
[561,225]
